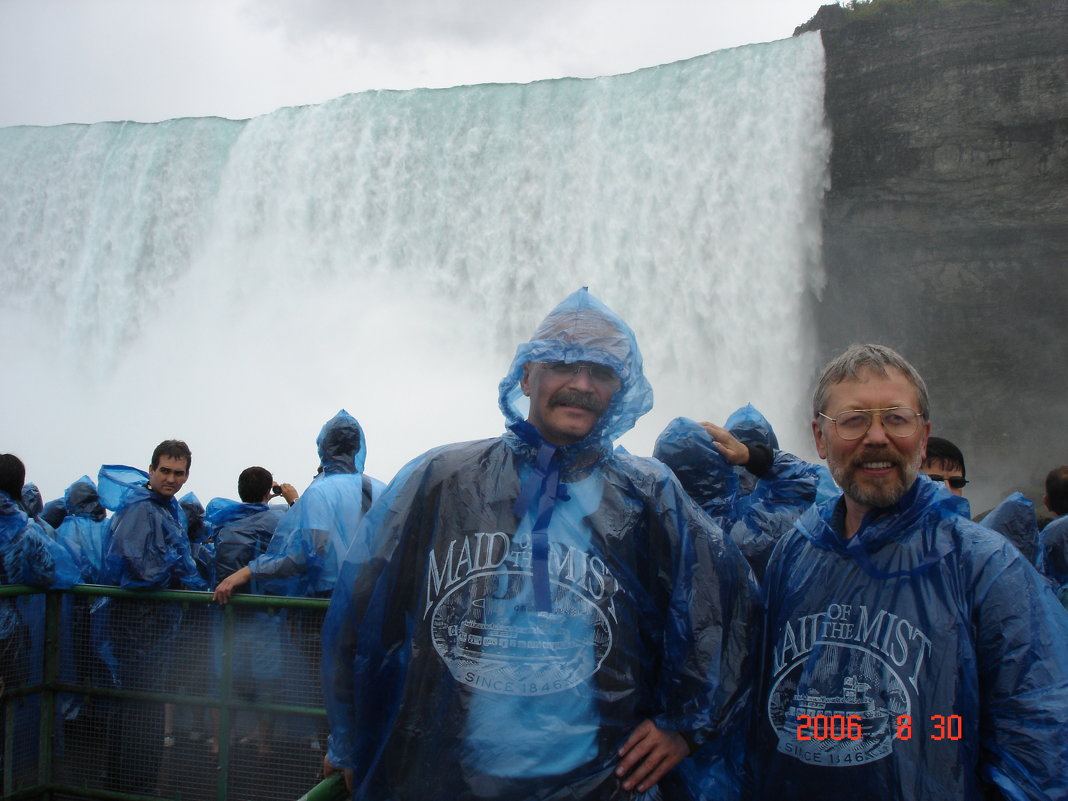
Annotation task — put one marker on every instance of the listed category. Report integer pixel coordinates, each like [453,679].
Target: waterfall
[234,283]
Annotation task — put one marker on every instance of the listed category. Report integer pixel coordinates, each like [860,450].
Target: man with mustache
[909,653]
[536,616]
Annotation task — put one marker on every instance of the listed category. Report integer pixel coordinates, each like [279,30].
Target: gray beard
[876,496]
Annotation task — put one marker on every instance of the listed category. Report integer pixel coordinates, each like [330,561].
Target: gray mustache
[583,400]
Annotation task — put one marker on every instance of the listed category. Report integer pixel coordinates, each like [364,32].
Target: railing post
[50,676]
[9,743]
[226,681]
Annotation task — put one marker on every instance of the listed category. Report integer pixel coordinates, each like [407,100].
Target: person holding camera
[241,532]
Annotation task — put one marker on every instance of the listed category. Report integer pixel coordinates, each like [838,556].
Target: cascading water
[235,283]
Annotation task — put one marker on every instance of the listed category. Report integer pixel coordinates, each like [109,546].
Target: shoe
[168,740]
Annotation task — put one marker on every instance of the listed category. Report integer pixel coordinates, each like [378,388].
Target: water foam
[234,283]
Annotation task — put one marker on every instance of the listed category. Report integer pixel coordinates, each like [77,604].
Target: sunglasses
[957,482]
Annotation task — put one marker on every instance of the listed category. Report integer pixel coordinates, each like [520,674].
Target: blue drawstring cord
[543,487]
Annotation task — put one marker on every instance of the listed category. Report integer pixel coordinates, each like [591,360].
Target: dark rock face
[946,225]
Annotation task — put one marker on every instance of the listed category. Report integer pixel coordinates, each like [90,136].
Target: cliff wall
[946,224]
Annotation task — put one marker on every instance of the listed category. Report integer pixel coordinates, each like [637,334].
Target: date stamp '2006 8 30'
[848,727]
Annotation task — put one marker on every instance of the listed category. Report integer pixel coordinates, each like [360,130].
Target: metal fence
[111,694]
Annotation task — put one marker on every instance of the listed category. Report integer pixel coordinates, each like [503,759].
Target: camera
[276,489]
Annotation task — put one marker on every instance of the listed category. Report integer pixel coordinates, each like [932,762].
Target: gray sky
[147,60]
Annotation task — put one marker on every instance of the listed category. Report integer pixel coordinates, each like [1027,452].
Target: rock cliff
[946,224]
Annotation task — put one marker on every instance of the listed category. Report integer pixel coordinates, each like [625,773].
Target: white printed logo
[841,681]
[489,634]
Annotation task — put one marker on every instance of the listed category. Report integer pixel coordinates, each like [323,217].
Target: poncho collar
[824,524]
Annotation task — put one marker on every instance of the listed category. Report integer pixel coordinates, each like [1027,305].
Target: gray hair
[876,358]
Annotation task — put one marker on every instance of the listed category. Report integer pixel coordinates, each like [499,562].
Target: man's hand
[289,492]
[734,450]
[329,769]
[226,587]
[648,754]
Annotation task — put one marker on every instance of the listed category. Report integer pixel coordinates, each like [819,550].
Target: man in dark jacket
[909,653]
[536,615]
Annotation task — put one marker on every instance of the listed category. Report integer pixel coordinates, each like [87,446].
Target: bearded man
[909,653]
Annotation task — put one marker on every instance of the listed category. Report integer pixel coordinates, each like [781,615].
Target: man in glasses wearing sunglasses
[909,652]
[944,462]
[536,616]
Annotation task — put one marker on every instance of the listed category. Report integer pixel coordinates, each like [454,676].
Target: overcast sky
[147,60]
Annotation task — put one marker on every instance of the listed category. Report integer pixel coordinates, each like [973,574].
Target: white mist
[235,283]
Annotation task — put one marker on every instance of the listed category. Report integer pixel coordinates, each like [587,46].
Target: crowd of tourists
[543,615]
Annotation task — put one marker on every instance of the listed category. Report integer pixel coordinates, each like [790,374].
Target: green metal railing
[52,686]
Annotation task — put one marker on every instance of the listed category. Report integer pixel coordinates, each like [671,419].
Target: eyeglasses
[898,421]
[599,373]
[957,482]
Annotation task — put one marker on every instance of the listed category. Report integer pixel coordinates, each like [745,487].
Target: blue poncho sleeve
[378,534]
[29,555]
[314,535]
[1022,642]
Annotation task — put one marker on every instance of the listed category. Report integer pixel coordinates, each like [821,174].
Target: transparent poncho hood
[582,329]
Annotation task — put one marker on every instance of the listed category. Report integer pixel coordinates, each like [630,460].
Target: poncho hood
[1014,519]
[194,517]
[32,501]
[341,443]
[120,485]
[582,329]
[12,517]
[82,499]
[752,427]
[703,471]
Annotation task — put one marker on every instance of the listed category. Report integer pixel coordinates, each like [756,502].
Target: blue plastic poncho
[445,676]
[757,513]
[1014,519]
[241,532]
[84,533]
[750,426]
[316,532]
[933,636]
[703,471]
[54,512]
[147,544]
[28,556]
[1054,545]
[201,546]
[84,530]
[32,501]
